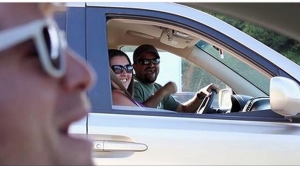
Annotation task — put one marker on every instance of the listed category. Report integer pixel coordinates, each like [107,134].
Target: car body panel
[243,138]
[192,141]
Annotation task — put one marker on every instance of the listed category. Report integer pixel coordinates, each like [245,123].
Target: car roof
[279,17]
[196,15]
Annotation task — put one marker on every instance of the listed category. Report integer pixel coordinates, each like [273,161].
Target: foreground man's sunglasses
[49,42]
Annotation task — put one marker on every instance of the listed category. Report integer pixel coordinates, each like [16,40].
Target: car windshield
[253,76]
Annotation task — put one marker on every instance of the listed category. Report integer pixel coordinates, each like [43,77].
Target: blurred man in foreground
[43,88]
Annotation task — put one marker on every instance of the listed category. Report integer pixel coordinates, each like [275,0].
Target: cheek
[26,94]
[61,105]
[118,76]
[25,105]
[129,76]
[139,70]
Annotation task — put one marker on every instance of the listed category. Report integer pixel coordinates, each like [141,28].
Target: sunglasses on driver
[118,69]
[154,61]
[48,40]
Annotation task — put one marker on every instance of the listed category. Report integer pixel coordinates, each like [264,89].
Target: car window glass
[187,73]
[258,79]
[188,77]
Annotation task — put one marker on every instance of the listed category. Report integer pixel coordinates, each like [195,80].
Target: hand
[207,90]
[170,88]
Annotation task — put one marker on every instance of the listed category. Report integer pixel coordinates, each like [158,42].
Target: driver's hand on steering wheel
[206,91]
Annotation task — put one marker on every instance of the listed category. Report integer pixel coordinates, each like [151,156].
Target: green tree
[283,45]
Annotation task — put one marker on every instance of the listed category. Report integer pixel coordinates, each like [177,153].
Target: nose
[79,75]
[123,72]
[151,64]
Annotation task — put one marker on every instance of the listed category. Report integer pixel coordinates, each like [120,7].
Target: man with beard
[146,65]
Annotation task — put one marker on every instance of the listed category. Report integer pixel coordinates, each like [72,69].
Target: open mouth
[150,71]
[123,80]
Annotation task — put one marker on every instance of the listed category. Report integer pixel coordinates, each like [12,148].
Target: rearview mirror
[284,96]
[225,98]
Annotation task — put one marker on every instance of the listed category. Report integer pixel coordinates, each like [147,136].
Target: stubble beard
[150,79]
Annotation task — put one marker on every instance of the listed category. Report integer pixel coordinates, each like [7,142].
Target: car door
[129,136]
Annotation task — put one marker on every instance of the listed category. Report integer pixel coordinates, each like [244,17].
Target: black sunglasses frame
[154,61]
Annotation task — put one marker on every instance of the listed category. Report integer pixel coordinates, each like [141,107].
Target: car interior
[181,41]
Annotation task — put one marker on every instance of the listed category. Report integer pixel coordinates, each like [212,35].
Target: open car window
[255,77]
[187,76]
[194,60]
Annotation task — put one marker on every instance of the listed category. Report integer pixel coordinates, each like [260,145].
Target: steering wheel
[206,103]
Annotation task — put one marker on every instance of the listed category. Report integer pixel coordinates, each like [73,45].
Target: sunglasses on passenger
[118,69]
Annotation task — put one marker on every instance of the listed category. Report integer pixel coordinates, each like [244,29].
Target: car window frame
[96,19]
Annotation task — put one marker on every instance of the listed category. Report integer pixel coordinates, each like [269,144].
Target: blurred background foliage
[283,45]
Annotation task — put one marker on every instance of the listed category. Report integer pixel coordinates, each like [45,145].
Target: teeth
[123,80]
[150,71]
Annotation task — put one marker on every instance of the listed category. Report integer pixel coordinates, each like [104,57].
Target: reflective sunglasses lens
[144,62]
[148,61]
[129,68]
[53,45]
[117,69]
[156,61]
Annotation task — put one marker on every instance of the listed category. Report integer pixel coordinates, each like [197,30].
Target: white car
[252,121]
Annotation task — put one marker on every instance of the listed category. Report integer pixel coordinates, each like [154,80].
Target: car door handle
[110,145]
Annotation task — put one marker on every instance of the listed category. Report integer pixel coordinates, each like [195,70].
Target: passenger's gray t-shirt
[143,91]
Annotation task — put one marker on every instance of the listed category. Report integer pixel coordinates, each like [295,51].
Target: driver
[146,65]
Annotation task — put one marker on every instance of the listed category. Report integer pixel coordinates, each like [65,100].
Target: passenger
[121,65]
[146,66]
[43,90]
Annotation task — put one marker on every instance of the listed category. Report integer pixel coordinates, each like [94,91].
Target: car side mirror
[284,96]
